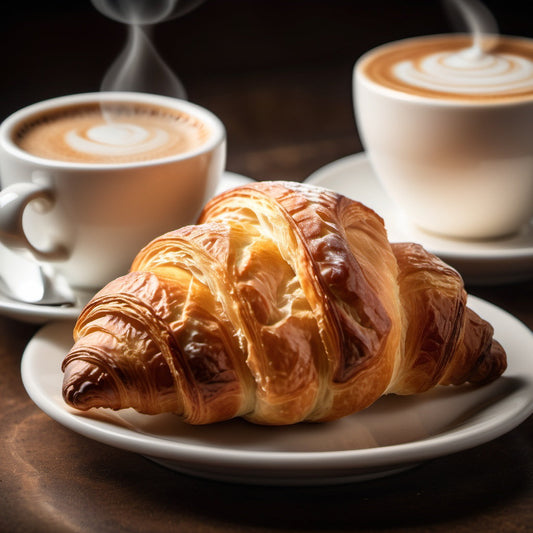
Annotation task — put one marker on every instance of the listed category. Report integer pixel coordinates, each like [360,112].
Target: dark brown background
[278,73]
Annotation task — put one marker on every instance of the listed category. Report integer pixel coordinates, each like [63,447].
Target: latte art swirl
[453,67]
[116,139]
[123,134]
[468,71]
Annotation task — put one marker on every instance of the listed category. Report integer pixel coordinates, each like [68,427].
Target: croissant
[285,303]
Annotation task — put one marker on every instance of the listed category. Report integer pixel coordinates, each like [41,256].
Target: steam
[139,67]
[144,12]
[480,23]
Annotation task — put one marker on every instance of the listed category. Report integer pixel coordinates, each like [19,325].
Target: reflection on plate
[479,262]
[40,314]
[391,435]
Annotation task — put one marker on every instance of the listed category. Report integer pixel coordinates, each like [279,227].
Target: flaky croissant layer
[286,302]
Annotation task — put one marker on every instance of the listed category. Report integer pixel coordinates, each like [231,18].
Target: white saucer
[230,180]
[40,314]
[391,435]
[479,262]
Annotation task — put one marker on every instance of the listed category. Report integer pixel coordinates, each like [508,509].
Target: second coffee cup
[89,179]
[448,127]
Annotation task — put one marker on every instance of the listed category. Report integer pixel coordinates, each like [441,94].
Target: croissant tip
[86,386]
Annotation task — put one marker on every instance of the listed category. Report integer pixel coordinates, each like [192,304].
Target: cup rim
[362,78]
[216,127]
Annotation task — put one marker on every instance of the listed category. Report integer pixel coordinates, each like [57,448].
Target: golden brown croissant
[285,303]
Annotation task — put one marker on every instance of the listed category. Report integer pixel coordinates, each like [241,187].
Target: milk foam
[468,71]
[116,139]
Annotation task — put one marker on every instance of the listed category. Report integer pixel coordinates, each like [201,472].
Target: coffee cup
[89,179]
[447,126]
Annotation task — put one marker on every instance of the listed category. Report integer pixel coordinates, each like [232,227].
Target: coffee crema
[450,67]
[110,133]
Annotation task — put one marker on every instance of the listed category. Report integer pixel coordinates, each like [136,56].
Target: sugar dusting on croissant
[286,302]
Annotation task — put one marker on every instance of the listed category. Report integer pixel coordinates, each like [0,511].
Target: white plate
[41,314]
[393,434]
[479,262]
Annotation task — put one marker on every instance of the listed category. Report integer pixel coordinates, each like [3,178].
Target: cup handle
[13,202]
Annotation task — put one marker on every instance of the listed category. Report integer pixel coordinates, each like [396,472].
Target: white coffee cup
[457,164]
[89,219]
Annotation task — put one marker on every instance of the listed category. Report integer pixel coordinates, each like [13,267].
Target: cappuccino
[447,124]
[116,133]
[451,67]
[111,170]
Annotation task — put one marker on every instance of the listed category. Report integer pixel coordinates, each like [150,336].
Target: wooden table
[286,103]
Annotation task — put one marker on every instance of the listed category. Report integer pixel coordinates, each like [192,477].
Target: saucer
[487,262]
[230,180]
[40,314]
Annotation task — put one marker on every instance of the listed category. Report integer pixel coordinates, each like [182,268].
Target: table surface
[287,106]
